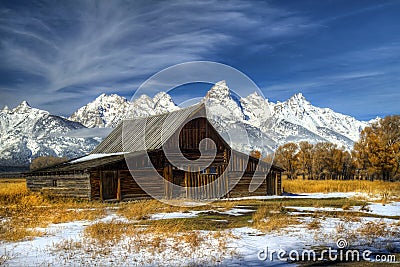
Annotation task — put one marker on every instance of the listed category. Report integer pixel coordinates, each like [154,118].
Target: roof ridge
[200,105]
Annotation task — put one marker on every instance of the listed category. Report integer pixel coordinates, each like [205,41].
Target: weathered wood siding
[241,189]
[130,189]
[95,185]
[69,185]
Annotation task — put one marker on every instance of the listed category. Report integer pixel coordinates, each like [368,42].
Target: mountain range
[28,132]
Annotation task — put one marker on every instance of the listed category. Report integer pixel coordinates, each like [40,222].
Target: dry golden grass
[314,224]
[269,218]
[112,232]
[12,190]
[384,189]
[276,222]
[13,234]
[356,231]
[346,206]
[349,217]
[20,222]
[141,210]
[371,231]
[22,211]
[193,239]
[225,205]
[156,237]
[109,232]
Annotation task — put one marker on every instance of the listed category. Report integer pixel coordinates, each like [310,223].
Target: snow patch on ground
[390,209]
[236,211]
[308,195]
[175,215]
[64,244]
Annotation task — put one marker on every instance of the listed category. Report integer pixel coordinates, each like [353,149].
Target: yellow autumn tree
[45,161]
[286,157]
[255,154]
[304,159]
[377,153]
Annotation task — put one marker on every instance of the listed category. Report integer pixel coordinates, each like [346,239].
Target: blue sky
[344,55]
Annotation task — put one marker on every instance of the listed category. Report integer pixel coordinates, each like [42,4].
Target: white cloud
[84,43]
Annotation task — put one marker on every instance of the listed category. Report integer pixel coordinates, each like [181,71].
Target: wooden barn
[107,172]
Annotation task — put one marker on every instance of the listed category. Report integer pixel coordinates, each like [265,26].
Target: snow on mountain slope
[294,120]
[256,108]
[104,111]
[323,122]
[27,133]
[163,103]
[232,117]
[220,102]
[109,110]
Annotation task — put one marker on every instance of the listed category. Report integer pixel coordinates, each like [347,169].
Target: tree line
[376,156]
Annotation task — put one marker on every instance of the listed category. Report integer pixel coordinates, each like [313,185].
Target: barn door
[109,184]
[270,184]
[179,179]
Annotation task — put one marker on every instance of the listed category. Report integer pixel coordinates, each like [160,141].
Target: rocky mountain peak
[144,100]
[163,97]
[254,95]
[101,96]
[25,109]
[221,103]
[298,99]
[5,109]
[163,102]
[22,107]
[112,98]
[219,90]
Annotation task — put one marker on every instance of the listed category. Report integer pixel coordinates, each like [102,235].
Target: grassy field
[22,211]
[376,188]
[23,214]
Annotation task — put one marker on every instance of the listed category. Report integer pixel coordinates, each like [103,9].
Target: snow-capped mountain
[273,124]
[27,133]
[221,104]
[109,110]
[256,108]
[293,120]
[104,111]
[297,120]
[297,110]
[237,120]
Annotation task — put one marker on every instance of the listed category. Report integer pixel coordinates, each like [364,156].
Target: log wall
[69,185]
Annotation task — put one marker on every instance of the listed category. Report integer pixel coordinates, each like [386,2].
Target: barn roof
[147,134]
[77,166]
[88,162]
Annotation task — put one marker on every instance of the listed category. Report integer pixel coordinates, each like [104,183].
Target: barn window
[213,170]
[55,183]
